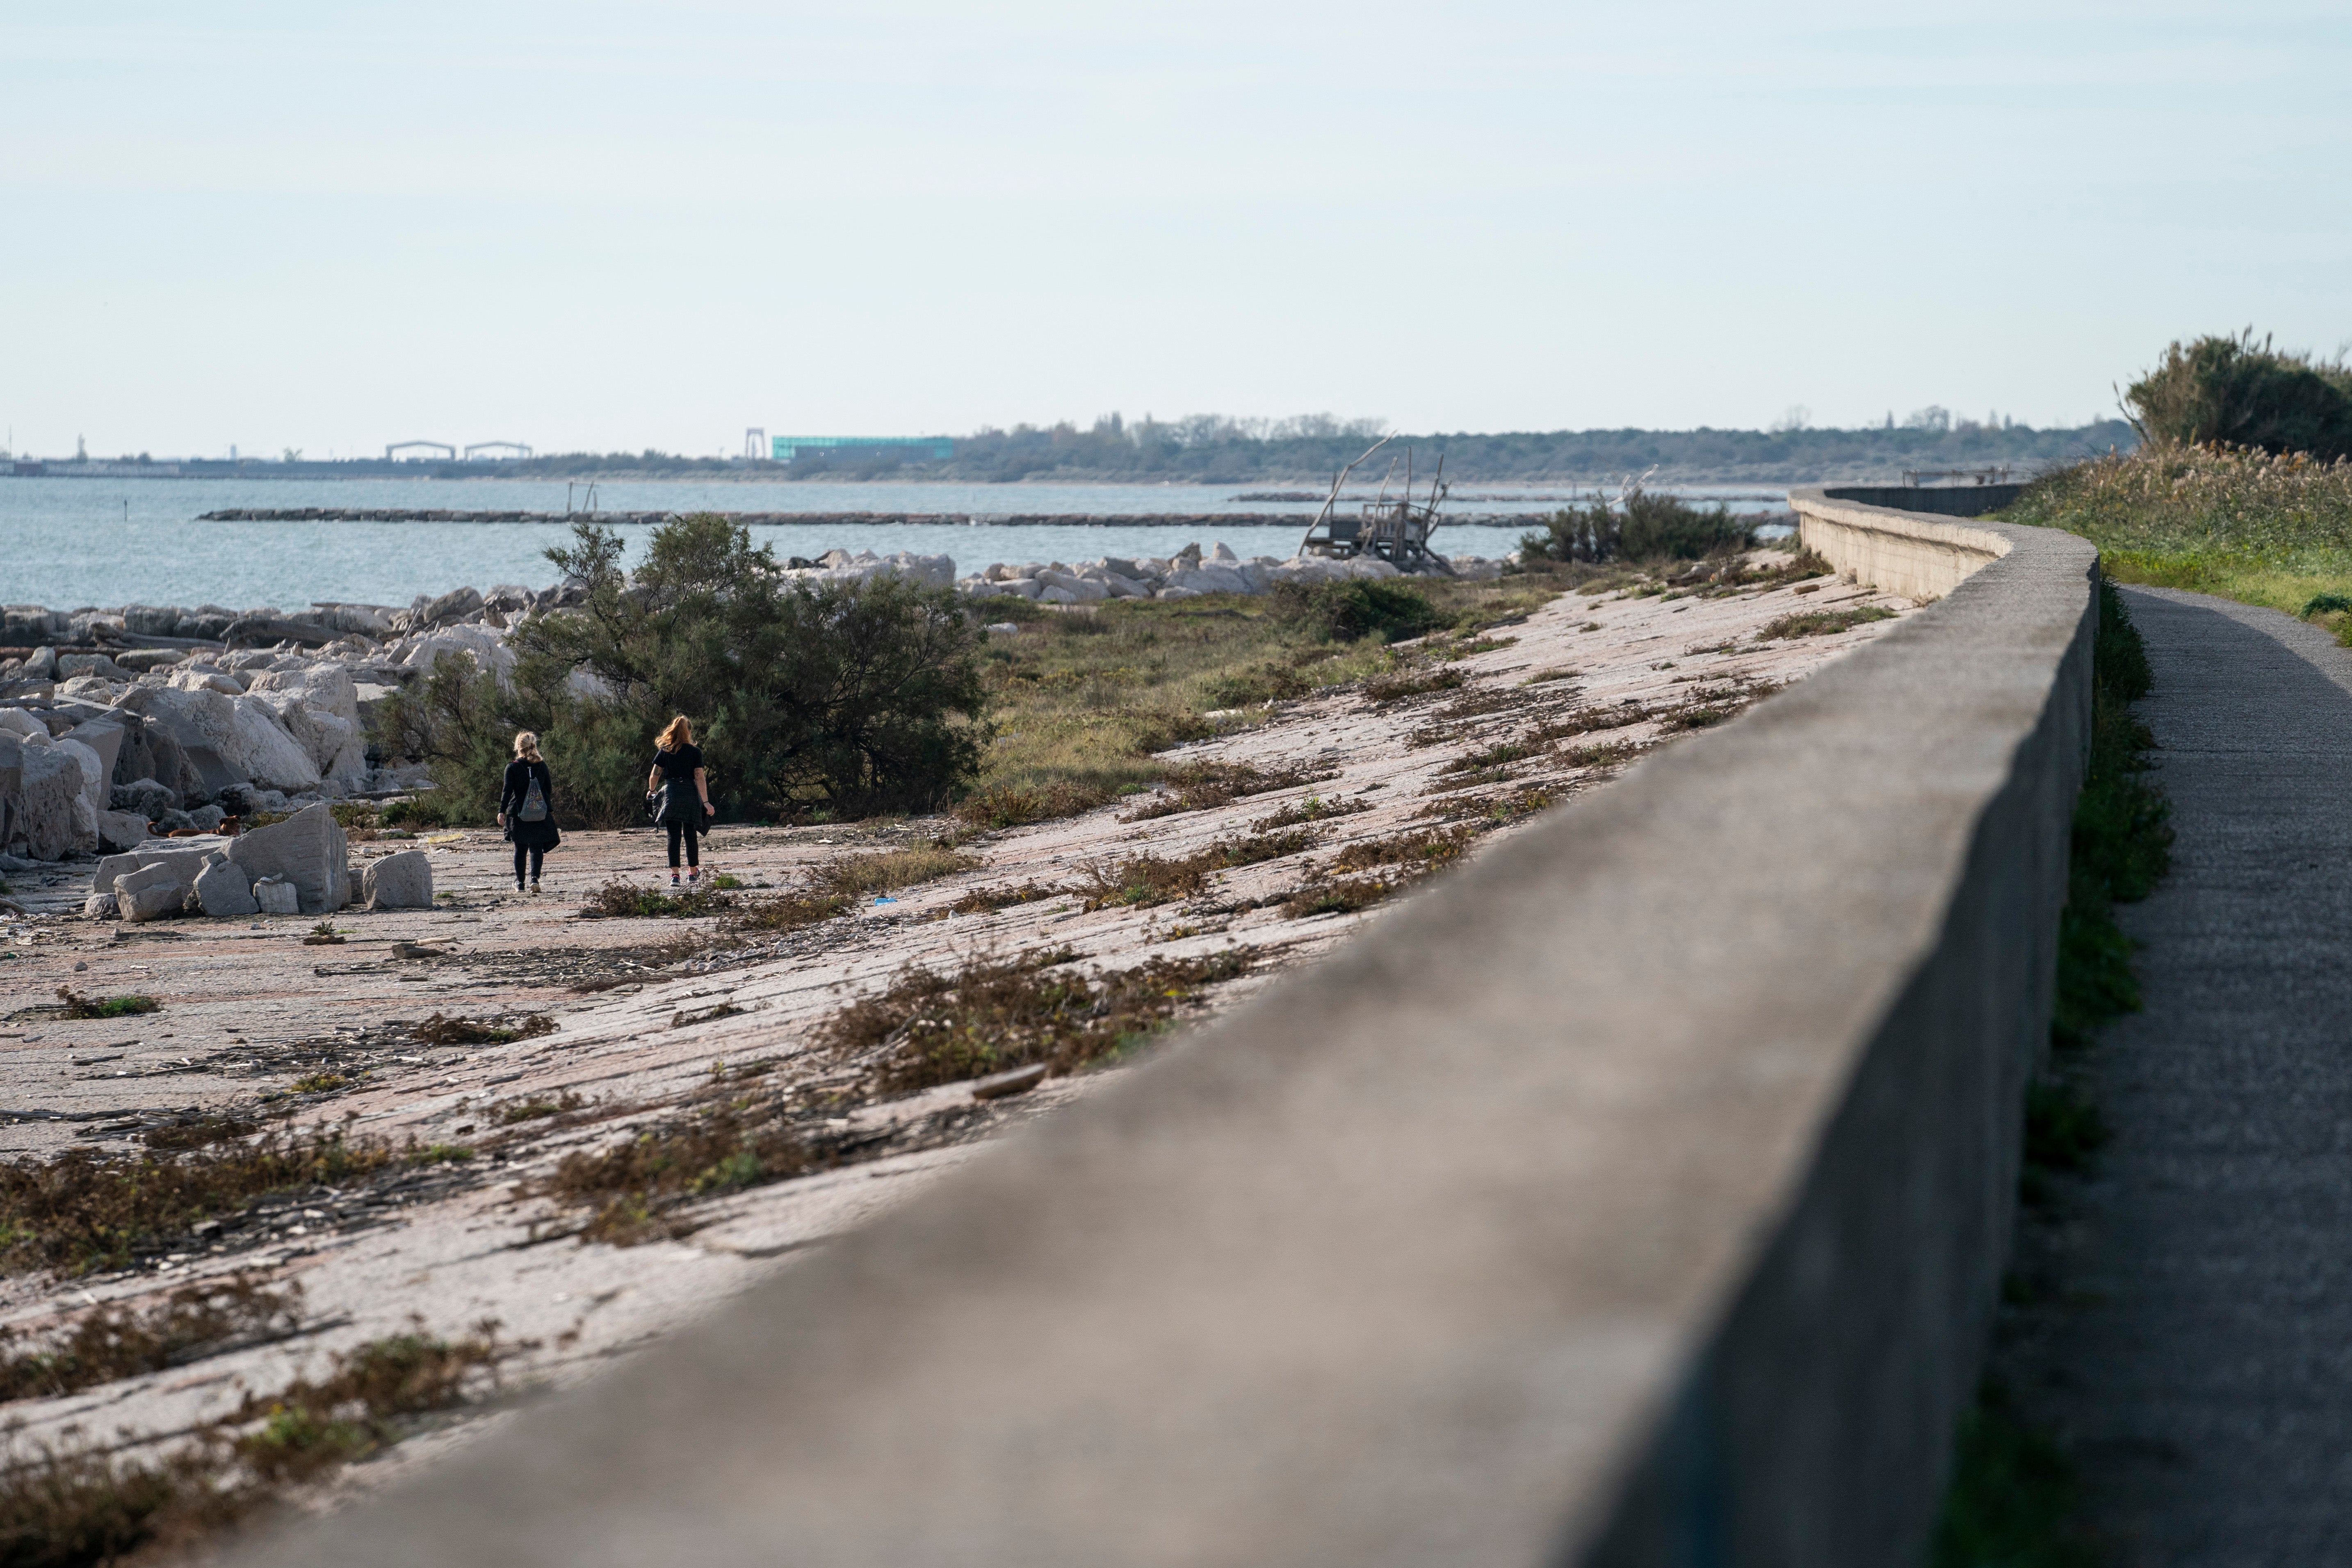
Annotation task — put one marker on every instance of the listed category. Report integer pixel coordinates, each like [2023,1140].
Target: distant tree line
[1215,449]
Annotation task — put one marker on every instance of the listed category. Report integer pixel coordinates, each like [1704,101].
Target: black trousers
[534,856]
[693,843]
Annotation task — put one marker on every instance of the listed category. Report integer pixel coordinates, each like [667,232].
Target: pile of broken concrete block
[120,725]
[298,867]
[111,743]
[1188,574]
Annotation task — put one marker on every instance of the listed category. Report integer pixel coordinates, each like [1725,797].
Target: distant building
[830,448]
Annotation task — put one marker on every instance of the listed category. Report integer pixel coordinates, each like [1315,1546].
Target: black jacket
[539,835]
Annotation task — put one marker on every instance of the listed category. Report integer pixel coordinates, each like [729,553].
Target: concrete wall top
[1637,1193]
[1941,500]
[1897,551]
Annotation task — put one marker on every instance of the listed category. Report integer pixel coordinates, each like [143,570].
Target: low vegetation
[2266,529]
[82,1210]
[1204,786]
[1081,703]
[1822,623]
[996,1013]
[849,699]
[632,1189]
[72,1003]
[1145,880]
[451,1030]
[111,1342]
[76,1504]
[2014,1492]
[2236,391]
[1637,525]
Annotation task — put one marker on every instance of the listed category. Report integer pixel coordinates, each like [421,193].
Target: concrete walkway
[2213,1412]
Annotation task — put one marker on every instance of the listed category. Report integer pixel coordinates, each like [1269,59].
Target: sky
[328,227]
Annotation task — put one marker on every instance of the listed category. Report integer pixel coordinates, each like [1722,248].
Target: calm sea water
[73,543]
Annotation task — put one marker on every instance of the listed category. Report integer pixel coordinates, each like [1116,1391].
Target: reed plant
[2271,529]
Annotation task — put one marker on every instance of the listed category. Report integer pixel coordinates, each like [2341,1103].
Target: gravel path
[2213,1347]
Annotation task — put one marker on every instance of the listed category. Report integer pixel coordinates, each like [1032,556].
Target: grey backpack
[535,805]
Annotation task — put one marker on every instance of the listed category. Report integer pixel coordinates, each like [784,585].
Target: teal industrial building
[831,449]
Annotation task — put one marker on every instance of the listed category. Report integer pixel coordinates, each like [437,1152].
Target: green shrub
[1347,611]
[857,699]
[1639,525]
[2235,392]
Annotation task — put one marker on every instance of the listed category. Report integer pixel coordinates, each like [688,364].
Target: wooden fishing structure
[1396,532]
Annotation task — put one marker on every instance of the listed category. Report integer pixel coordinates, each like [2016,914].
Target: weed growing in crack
[439,1030]
[1201,786]
[620,900]
[113,1343]
[1313,808]
[1403,683]
[994,1013]
[535,1108]
[988,901]
[633,1186]
[1822,623]
[1142,881]
[73,1504]
[80,1210]
[74,1004]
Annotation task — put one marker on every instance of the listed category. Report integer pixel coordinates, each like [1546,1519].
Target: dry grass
[308,1427]
[1822,623]
[1204,786]
[621,900]
[72,1003]
[81,1210]
[995,1013]
[1393,864]
[72,1504]
[1142,881]
[534,1109]
[113,1343]
[1081,703]
[439,1030]
[1423,850]
[1491,809]
[890,870]
[634,1188]
[831,889]
[988,901]
[1313,808]
[1397,685]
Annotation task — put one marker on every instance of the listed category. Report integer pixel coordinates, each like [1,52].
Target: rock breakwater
[120,724]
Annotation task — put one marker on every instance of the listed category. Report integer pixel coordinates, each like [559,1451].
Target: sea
[104,542]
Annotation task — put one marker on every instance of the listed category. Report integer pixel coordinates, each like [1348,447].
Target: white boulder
[224,891]
[151,893]
[401,881]
[308,851]
[41,788]
[277,896]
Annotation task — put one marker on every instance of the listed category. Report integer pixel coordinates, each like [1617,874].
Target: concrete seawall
[1639,1196]
[1861,532]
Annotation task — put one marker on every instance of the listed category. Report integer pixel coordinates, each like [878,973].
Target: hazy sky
[328,227]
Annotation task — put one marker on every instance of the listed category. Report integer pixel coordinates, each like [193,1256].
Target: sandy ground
[248,1009]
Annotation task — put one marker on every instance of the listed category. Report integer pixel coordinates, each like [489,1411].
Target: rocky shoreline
[119,725]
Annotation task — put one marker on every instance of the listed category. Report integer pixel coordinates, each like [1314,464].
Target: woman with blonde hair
[685,790]
[527,807]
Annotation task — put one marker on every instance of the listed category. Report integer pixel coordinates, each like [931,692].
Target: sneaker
[673,879]
[694,875]
[534,889]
